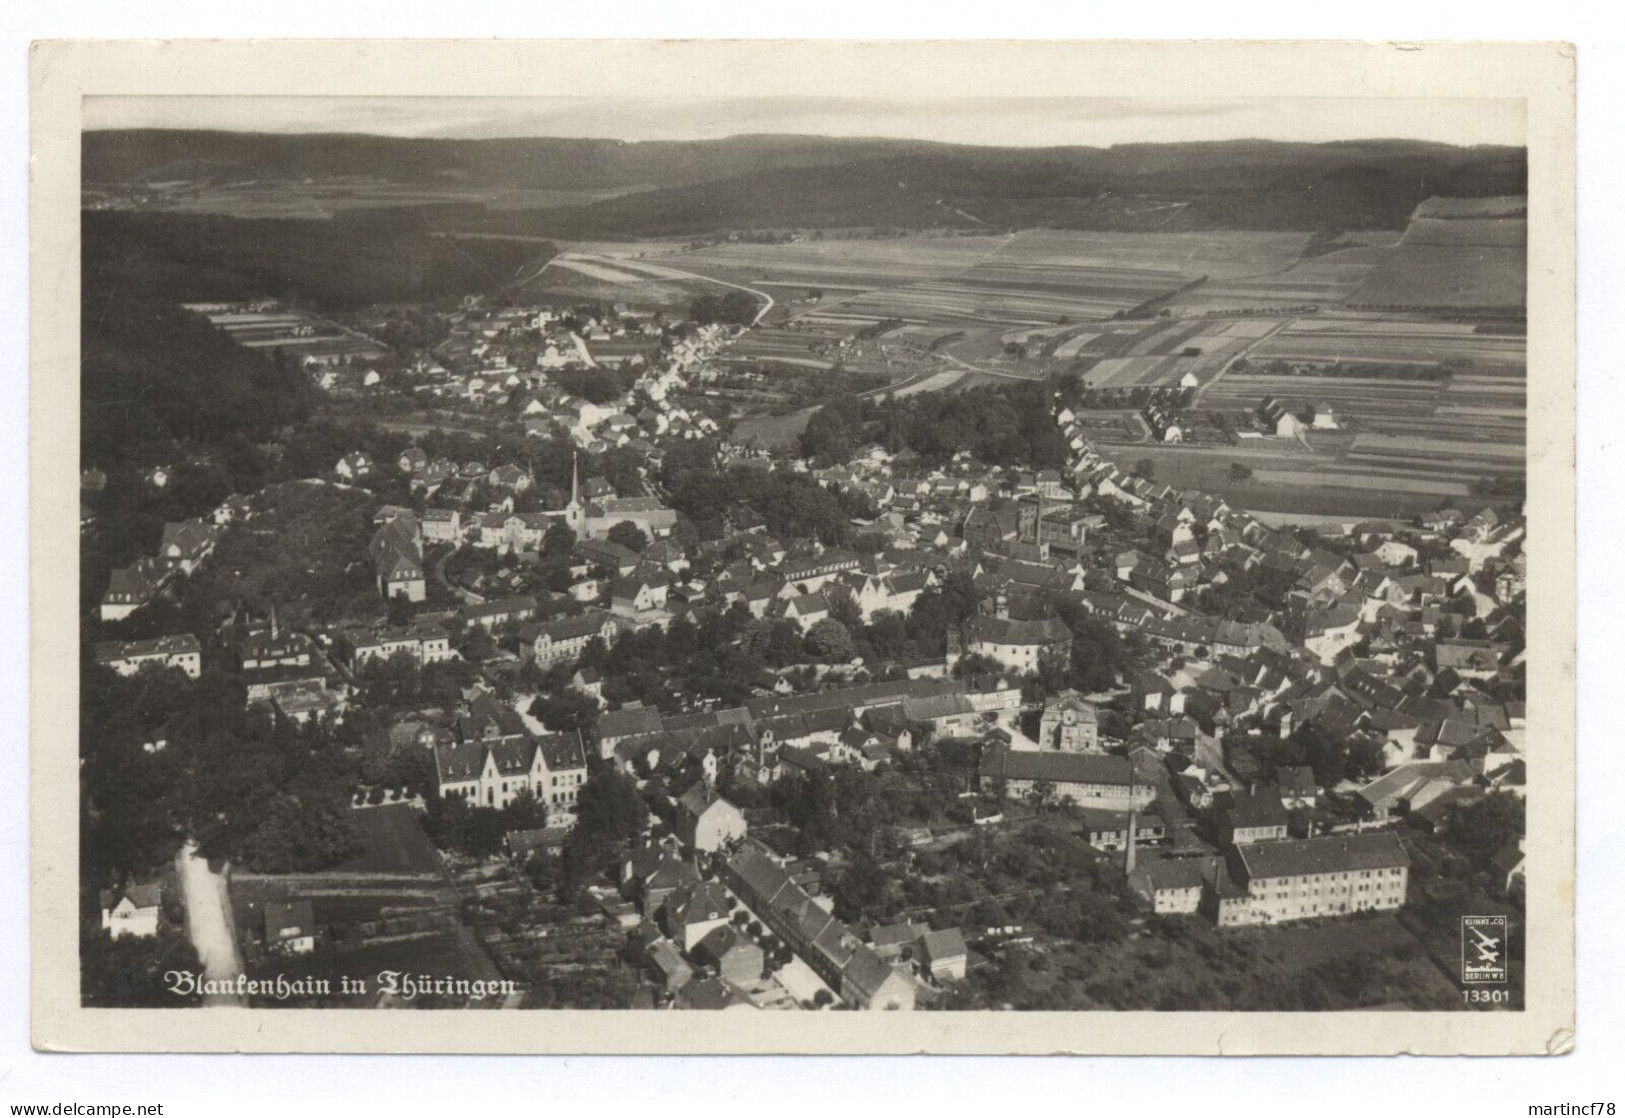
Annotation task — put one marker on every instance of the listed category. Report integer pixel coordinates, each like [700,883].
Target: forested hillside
[381,256]
[152,371]
[698,187]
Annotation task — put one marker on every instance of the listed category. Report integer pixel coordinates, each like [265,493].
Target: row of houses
[836,953]
[184,547]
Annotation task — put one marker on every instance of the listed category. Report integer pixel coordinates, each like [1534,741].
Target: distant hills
[774,181]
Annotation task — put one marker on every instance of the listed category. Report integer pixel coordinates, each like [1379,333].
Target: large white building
[565,639]
[424,641]
[1013,644]
[129,657]
[493,771]
[1300,879]
[1097,780]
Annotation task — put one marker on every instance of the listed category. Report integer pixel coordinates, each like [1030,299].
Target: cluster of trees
[596,386]
[455,824]
[886,636]
[1364,370]
[1485,827]
[1100,655]
[1497,485]
[609,815]
[413,329]
[735,308]
[1076,395]
[1334,758]
[128,972]
[792,505]
[875,329]
[665,667]
[160,385]
[1000,426]
[307,552]
[400,683]
[1191,966]
[628,535]
[266,793]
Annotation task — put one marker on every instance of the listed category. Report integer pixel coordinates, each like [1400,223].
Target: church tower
[1133,824]
[575,514]
[1038,526]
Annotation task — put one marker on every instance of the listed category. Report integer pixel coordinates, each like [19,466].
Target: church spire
[575,477]
[1133,822]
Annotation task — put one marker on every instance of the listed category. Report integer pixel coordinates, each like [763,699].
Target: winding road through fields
[665,272]
[767,300]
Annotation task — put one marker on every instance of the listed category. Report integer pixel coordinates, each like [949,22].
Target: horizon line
[878,138]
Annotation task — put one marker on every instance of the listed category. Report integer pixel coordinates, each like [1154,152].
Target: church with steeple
[575,513]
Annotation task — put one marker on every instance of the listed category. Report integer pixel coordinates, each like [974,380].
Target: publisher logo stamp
[1483,949]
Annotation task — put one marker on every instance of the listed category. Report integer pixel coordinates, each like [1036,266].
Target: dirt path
[1196,397]
[767,305]
[208,922]
[1007,375]
[610,262]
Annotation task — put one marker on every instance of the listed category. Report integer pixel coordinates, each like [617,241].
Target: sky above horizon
[1012,121]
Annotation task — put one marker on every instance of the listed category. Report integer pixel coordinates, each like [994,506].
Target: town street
[208,922]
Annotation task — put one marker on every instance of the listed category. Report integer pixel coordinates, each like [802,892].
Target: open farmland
[294,332]
[1406,443]
[1327,481]
[853,264]
[1032,277]
[1424,411]
[963,302]
[1056,292]
[1375,401]
[1467,253]
[1040,276]
[1446,380]
[1155,353]
[1425,408]
[792,345]
[952,303]
[1444,277]
[1059,254]
[1319,281]
[1395,340]
[1506,205]
[925,382]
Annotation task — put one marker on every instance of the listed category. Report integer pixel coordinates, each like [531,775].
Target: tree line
[999,426]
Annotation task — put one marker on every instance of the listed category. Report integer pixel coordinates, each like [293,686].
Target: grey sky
[983,120]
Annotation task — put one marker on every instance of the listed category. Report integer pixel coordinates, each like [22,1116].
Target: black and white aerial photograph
[803,554]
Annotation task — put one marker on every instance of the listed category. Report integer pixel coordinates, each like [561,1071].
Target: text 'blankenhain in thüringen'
[389,982]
